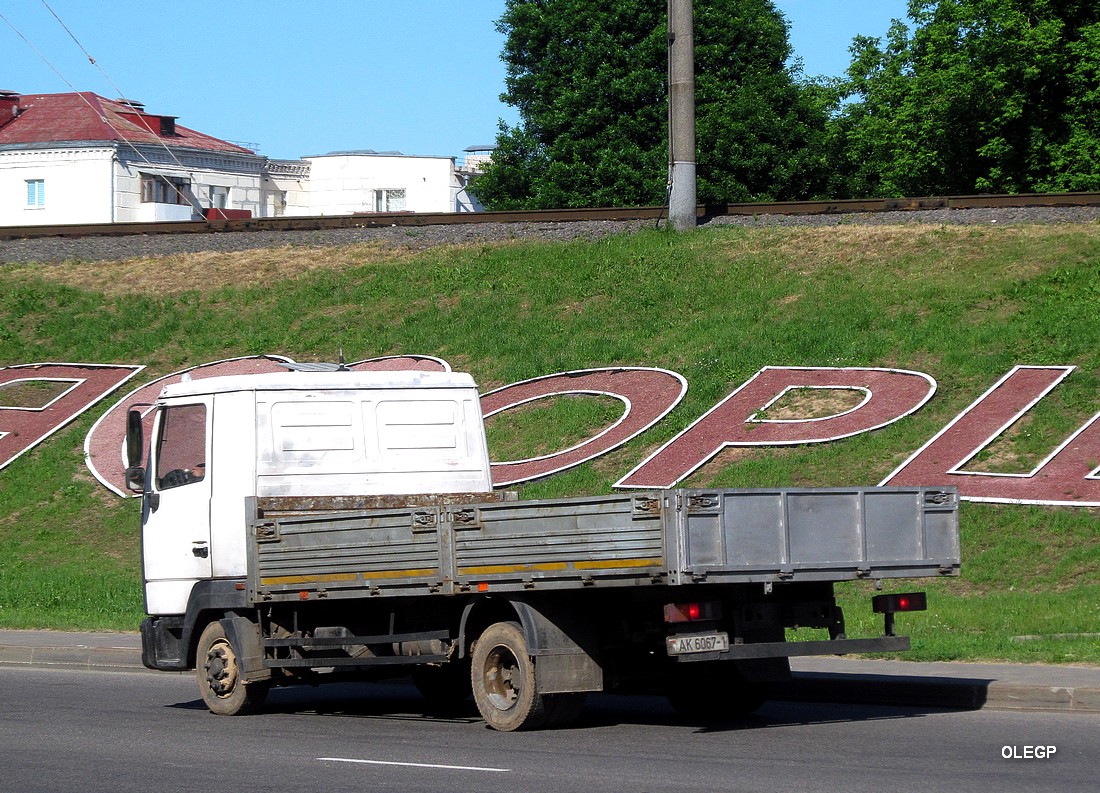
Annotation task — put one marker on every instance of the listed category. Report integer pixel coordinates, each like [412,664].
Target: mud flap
[162,645]
[563,662]
[244,636]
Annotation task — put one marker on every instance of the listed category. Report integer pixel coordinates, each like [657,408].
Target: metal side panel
[568,542]
[818,533]
[638,539]
[335,554]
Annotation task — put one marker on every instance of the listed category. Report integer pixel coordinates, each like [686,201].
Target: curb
[950,693]
[102,659]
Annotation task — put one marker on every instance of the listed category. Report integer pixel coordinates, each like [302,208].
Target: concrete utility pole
[681,114]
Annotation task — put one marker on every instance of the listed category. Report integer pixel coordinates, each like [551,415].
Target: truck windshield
[181,446]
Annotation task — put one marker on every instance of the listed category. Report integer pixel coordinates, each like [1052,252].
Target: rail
[375,220]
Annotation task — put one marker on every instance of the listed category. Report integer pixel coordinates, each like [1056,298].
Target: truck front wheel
[502,675]
[219,676]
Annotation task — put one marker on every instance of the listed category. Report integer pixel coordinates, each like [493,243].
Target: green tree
[589,81]
[979,96]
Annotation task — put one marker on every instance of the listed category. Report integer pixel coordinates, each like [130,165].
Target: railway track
[375,220]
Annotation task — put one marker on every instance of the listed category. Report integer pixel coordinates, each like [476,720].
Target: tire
[502,676]
[219,676]
[446,687]
[713,691]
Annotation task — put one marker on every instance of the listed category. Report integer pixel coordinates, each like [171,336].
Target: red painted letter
[83,384]
[648,394]
[1068,476]
[889,394]
[401,363]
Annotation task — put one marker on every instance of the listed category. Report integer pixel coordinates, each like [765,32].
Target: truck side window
[181,446]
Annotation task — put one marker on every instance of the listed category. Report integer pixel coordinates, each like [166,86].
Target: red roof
[84,116]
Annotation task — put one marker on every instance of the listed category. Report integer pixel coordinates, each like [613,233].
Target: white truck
[311,526]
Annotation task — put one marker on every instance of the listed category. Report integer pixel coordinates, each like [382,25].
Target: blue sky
[293,79]
[822,30]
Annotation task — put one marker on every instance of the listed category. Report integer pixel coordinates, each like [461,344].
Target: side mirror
[135,479]
[135,439]
[135,448]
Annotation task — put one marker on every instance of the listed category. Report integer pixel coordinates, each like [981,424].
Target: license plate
[698,643]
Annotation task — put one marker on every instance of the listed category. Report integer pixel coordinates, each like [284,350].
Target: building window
[164,189]
[36,193]
[219,197]
[389,200]
[276,204]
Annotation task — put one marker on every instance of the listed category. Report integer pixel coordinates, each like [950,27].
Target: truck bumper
[162,645]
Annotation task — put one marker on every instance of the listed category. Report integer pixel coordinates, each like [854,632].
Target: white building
[351,182]
[80,158]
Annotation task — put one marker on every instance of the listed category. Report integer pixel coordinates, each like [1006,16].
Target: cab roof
[318,381]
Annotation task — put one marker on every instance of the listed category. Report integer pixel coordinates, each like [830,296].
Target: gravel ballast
[90,249]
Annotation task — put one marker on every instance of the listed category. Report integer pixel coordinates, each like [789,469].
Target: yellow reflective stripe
[497,569]
[612,564]
[338,577]
[484,570]
[607,564]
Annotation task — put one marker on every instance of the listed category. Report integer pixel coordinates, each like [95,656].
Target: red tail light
[693,612]
[890,604]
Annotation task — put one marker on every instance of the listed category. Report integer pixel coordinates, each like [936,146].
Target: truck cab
[220,440]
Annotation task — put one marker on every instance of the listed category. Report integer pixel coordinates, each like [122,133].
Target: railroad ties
[380,219]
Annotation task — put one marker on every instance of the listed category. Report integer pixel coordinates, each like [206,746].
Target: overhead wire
[107,77]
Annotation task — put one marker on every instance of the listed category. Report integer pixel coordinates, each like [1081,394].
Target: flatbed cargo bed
[340,548]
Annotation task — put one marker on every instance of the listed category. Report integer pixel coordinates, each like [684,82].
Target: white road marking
[412,765]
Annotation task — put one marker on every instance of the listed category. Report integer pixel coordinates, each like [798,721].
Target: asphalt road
[66,730]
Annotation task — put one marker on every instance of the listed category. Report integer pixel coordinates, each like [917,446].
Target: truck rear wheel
[219,676]
[502,675]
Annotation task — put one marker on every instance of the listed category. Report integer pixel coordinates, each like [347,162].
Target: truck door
[176,513]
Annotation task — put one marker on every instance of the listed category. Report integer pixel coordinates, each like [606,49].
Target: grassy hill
[963,304]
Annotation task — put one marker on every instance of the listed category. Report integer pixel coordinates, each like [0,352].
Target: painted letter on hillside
[741,419]
[647,395]
[38,399]
[1069,476]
